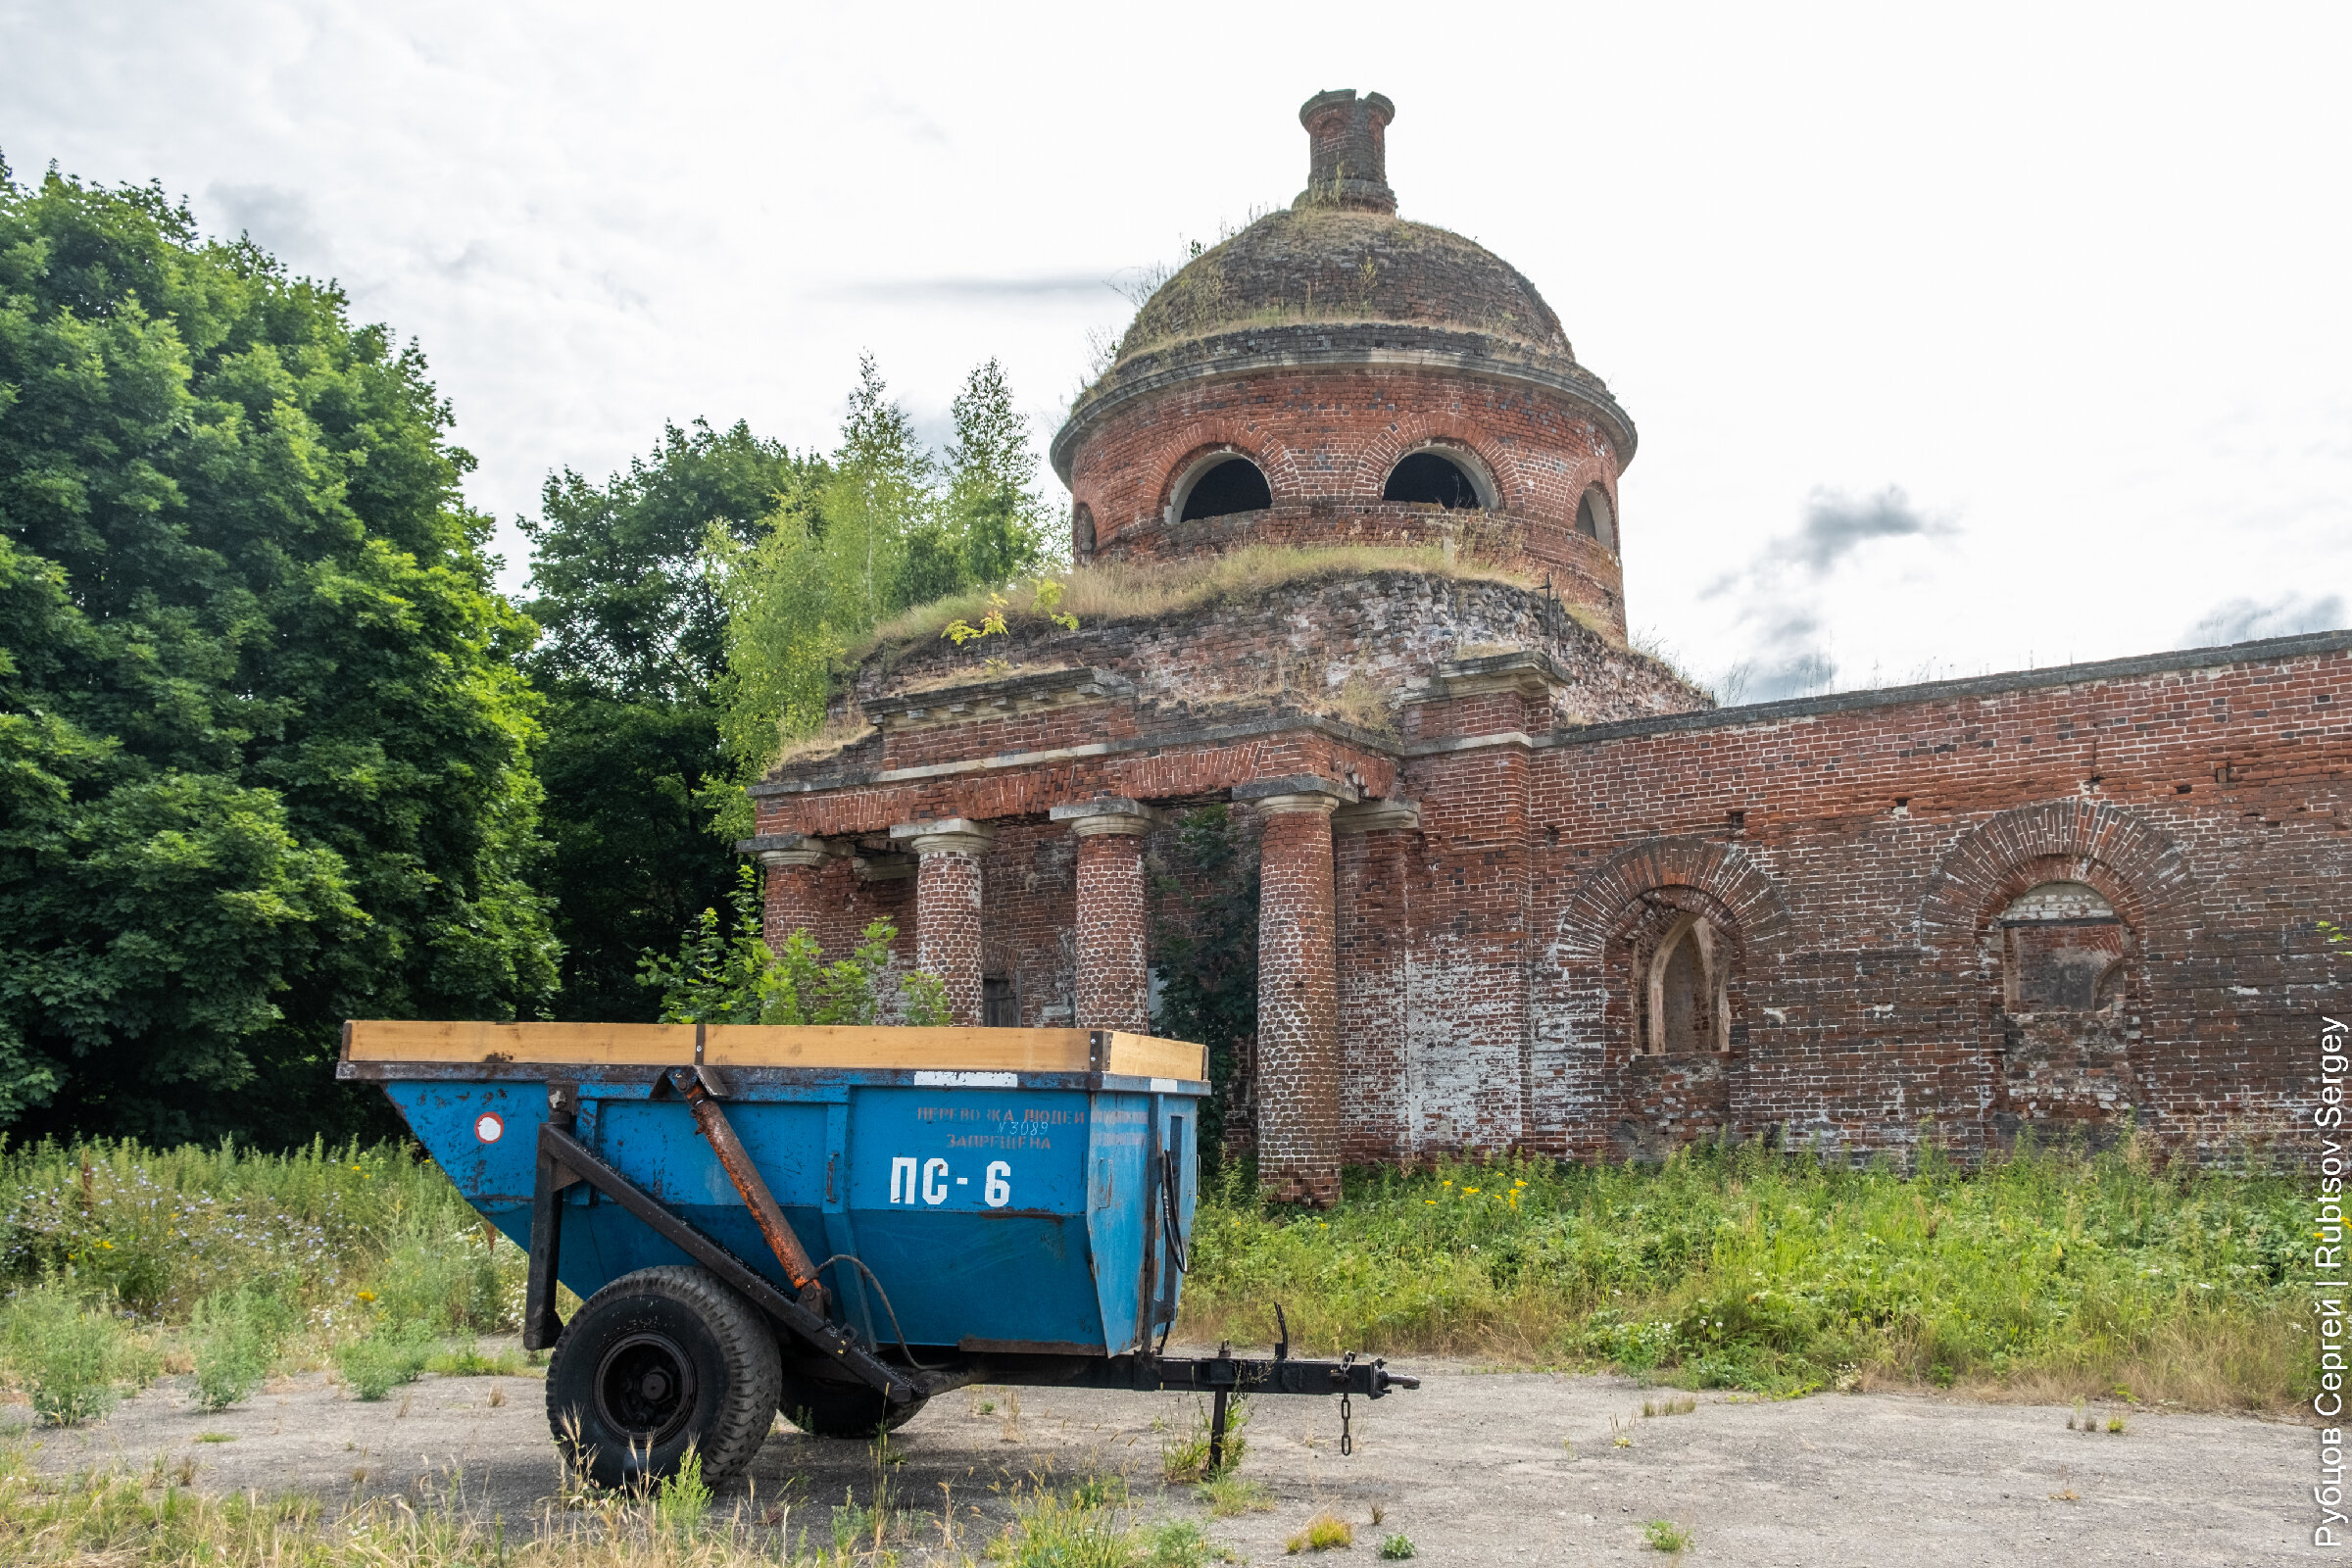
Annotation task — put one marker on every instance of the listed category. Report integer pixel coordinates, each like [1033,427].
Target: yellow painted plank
[1149,1056]
[768,1046]
[577,1044]
[830,1045]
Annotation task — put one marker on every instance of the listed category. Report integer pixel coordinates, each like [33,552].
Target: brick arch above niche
[2133,865]
[1727,874]
[1408,432]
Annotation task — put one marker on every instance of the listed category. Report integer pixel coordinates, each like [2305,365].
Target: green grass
[2041,1276]
[2046,1275]
[118,1261]
[1664,1535]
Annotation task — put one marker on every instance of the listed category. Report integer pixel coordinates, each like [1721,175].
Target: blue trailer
[836,1224]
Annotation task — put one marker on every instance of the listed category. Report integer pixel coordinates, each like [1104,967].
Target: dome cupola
[1337,375]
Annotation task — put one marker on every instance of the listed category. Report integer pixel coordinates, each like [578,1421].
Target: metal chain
[1346,1439]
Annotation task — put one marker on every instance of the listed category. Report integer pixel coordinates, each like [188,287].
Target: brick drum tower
[1346,522]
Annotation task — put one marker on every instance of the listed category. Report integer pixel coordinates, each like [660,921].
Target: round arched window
[1432,478]
[1223,487]
[1593,520]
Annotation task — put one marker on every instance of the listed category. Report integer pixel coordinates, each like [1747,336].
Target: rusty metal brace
[694,1085]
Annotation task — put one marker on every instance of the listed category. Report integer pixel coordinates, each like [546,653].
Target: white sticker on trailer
[967,1080]
[1164,1086]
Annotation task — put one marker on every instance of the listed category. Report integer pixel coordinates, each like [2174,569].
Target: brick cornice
[1278,723]
[1312,345]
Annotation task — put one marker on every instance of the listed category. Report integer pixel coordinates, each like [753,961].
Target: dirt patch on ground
[1473,1467]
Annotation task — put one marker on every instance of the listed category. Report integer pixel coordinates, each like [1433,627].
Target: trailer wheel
[656,1363]
[825,1408]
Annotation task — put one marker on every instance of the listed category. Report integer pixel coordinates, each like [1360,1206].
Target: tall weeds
[1747,1269]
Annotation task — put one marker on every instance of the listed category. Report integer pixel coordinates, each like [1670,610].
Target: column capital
[1299,791]
[944,835]
[1105,813]
[1373,817]
[802,850]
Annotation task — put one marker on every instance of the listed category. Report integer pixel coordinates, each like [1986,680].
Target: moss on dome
[1325,262]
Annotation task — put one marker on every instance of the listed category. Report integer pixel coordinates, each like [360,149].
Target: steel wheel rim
[645,1388]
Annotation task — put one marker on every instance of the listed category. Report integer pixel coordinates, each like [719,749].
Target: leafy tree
[884,527]
[1206,936]
[263,737]
[730,975]
[635,641]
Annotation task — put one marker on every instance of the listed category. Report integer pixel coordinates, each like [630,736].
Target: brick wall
[1302,644]
[1853,855]
[1326,439]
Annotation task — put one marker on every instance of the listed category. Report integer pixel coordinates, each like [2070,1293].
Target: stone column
[1114,986]
[1297,992]
[794,862]
[946,905]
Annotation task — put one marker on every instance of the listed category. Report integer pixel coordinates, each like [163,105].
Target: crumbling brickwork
[1524,887]
[1115,982]
[947,921]
[1298,1010]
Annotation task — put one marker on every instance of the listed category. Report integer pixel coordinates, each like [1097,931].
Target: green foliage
[1324,1531]
[1397,1548]
[635,639]
[727,973]
[238,1335]
[1180,1543]
[1664,1535]
[339,1236]
[1055,1530]
[69,1357]
[1204,929]
[394,1354]
[1186,1458]
[681,1499]
[264,737]
[880,526]
[1749,1269]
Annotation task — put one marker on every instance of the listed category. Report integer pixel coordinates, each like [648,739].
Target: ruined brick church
[1522,885]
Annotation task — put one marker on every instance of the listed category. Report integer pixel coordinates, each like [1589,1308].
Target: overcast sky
[1965,340]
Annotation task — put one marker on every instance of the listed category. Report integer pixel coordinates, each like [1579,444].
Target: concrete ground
[1473,1467]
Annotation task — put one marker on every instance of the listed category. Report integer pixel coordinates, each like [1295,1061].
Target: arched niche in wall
[1441,475]
[2063,950]
[1684,999]
[1596,519]
[1218,484]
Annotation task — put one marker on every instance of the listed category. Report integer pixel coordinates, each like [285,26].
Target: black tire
[823,1407]
[658,1361]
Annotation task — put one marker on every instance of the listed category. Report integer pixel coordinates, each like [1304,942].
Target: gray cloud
[1779,591]
[279,220]
[1836,524]
[2244,621]
[1790,658]
[1036,286]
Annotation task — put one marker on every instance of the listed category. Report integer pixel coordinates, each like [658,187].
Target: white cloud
[1807,252]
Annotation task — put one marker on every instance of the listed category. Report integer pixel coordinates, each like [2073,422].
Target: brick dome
[1323,263]
[1337,375]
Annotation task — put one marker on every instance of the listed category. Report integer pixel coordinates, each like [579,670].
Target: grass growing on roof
[1118,591]
[2040,1275]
